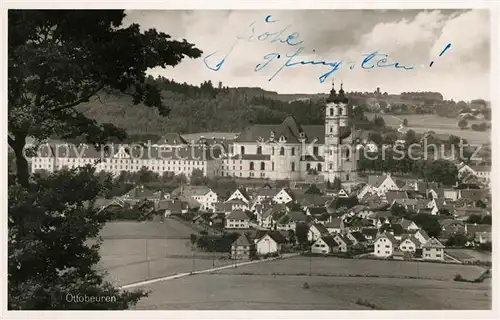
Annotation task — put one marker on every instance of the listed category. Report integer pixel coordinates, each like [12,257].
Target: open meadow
[138,251]
[421,123]
[265,292]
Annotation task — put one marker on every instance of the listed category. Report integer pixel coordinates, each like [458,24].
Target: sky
[413,38]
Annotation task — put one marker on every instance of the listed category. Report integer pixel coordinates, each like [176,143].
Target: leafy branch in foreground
[59,59]
[53,250]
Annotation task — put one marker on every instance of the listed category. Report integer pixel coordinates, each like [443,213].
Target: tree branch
[78,101]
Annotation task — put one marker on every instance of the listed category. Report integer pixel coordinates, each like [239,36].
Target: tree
[457,240]
[49,253]
[398,210]
[337,184]
[379,122]
[59,59]
[442,171]
[474,218]
[376,137]
[313,189]
[428,223]
[462,124]
[301,231]
[411,137]
[405,122]
[198,178]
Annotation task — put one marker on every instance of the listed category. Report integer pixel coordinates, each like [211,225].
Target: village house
[271,242]
[409,244]
[316,212]
[433,250]
[316,231]
[481,233]
[237,219]
[450,194]
[202,194]
[290,220]
[357,238]
[171,207]
[240,194]
[283,196]
[335,225]
[384,246]
[360,211]
[451,227]
[100,204]
[344,243]
[267,218]
[370,234]
[407,225]
[421,236]
[242,247]
[325,245]
[380,185]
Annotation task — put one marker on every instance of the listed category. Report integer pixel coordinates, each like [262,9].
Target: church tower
[336,131]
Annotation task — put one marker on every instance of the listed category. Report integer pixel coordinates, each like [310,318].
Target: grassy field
[440,125]
[356,267]
[137,251]
[244,292]
[469,255]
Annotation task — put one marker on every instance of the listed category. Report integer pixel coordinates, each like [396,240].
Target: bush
[458,277]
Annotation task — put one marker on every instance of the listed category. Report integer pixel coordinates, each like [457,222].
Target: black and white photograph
[263,159]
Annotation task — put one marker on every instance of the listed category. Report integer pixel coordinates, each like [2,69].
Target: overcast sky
[410,37]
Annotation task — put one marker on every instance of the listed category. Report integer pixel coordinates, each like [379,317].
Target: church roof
[290,130]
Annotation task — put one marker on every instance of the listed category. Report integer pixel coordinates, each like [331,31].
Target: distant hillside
[206,108]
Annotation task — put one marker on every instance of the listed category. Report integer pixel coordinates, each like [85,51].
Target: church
[292,151]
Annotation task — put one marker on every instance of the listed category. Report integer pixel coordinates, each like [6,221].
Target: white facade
[206,201]
[383,247]
[408,246]
[267,245]
[238,195]
[282,197]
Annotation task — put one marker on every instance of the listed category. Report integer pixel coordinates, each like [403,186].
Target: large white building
[292,151]
[284,151]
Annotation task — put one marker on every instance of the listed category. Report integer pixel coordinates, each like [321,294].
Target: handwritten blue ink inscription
[215,60]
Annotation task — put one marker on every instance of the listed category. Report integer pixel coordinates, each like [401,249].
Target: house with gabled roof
[270,242]
[242,247]
[334,225]
[343,241]
[407,224]
[172,207]
[316,212]
[240,194]
[357,238]
[421,235]
[384,245]
[285,195]
[432,249]
[202,194]
[360,211]
[409,244]
[102,204]
[271,215]
[370,234]
[316,231]
[290,219]
[238,219]
[325,245]
[392,195]
[480,232]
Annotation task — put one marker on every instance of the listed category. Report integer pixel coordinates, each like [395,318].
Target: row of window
[92,160]
[282,151]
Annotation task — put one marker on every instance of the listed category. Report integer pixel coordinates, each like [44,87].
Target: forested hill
[209,108]
[201,109]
